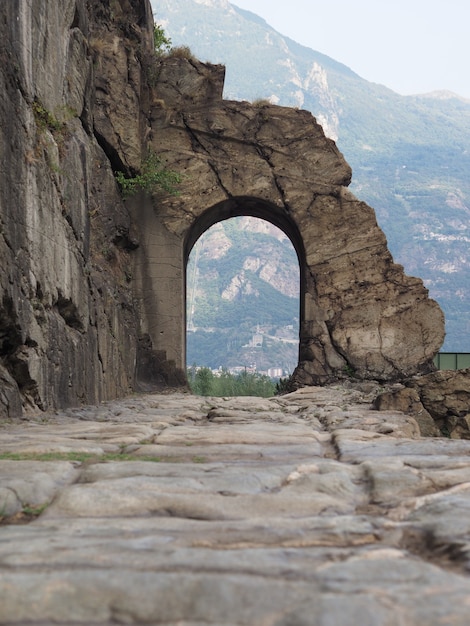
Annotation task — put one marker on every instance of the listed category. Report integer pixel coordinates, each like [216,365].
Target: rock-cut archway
[263,212]
[359,311]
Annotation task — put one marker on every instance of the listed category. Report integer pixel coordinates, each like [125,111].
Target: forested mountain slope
[243,298]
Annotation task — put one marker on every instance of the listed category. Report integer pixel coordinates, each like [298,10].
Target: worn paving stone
[29,484]
[352,448]
[210,453]
[305,509]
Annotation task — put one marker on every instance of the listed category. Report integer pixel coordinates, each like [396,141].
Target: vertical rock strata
[92,290]
[67,325]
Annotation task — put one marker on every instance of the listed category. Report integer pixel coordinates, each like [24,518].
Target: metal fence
[452,360]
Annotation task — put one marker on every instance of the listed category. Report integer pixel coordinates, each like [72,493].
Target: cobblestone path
[307,509]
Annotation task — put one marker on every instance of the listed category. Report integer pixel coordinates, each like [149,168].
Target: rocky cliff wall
[68,330]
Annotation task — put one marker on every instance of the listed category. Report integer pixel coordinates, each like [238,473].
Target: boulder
[445,394]
[440,402]
[408,401]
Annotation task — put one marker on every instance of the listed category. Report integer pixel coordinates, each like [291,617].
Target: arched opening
[244,290]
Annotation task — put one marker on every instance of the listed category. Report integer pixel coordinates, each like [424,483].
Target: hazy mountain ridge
[410,155]
[242,280]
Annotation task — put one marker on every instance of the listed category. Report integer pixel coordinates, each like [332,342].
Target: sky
[410,46]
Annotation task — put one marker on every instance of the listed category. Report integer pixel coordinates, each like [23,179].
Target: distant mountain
[243,297]
[410,155]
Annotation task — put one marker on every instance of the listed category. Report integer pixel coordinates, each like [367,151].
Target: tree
[161,42]
[203,381]
[154,177]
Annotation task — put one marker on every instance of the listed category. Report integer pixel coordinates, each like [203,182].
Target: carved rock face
[67,329]
[359,312]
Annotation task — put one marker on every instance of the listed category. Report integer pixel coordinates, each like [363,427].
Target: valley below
[243,299]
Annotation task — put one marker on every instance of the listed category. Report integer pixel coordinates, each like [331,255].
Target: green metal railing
[452,360]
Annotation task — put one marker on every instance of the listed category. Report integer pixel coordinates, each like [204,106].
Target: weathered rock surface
[309,508]
[408,401]
[359,311]
[440,402]
[68,330]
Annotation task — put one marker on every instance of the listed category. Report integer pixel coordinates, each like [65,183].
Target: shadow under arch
[242,206]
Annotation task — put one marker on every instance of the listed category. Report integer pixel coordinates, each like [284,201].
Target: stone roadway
[308,509]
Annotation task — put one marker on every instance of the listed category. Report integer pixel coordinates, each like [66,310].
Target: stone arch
[360,312]
[253,207]
[246,206]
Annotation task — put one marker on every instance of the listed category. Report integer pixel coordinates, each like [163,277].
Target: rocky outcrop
[440,402]
[92,289]
[67,325]
[359,312]
[408,401]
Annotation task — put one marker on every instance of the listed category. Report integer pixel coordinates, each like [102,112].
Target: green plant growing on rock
[261,102]
[181,52]
[66,113]
[153,177]
[77,457]
[349,371]
[34,510]
[199,459]
[44,118]
[27,514]
[161,43]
